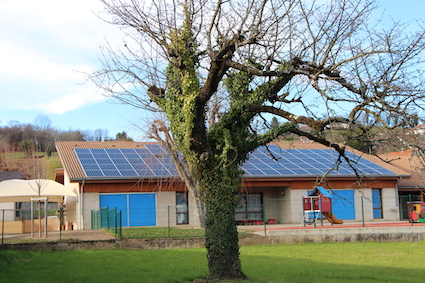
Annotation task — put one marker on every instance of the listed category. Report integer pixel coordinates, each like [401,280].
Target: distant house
[412,185]
[419,129]
[140,179]
[338,125]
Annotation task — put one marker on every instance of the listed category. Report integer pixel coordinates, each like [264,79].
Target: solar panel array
[154,161]
[307,162]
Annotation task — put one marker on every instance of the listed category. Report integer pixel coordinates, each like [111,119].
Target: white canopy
[23,190]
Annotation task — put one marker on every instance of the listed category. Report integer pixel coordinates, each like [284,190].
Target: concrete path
[349,227]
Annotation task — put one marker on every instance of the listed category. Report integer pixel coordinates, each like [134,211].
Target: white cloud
[68,101]
[25,63]
[43,50]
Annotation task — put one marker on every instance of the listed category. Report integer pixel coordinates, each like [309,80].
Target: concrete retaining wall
[287,237]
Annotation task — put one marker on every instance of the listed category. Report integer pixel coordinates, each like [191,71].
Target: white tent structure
[38,190]
[23,190]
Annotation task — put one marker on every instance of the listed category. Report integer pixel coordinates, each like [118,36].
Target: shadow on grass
[260,263]
[287,269]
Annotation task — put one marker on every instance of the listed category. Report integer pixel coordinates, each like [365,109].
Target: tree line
[40,136]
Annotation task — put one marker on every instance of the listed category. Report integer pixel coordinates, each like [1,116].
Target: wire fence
[249,211]
[110,219]
[37,222]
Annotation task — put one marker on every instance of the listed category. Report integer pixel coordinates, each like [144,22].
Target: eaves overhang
[320,175]
[134,178]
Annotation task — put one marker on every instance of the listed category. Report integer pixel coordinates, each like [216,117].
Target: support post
[362,211]
[411,209]
[45,218]
[2,228]
[169,233]
[60,223]
[32,218]
[264,217]
[120,224]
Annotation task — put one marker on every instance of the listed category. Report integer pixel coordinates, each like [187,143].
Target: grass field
[160,232]
[165,232]
[319,262]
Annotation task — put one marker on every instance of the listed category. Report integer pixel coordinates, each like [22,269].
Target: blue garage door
[118,201]
[137,209]
[343,204]
[142,210]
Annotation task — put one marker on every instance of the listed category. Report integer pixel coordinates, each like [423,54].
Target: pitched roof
[379,160]
[70,161]
[132,160]
[406,161]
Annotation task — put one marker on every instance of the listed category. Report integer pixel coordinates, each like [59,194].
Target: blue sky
[46,44]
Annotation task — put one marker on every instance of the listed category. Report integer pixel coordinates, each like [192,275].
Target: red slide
[334,220]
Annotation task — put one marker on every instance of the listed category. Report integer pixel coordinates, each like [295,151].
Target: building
[8,208]
[140,179]
[412,186]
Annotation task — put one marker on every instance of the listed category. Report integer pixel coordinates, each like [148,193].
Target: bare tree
[100,134]
[161,133]
[40,170]
[292,59]
[42,123]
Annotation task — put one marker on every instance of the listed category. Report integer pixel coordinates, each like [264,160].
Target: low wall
[184,243]
[52,225]
[15,227]
[63,246]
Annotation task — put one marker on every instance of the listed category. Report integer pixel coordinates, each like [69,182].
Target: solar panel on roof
[87,161]
[86,155]
[107,166]
[94,173]
[153,160]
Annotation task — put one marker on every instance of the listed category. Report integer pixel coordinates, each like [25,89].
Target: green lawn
[320,262]
[160,232]
[165,232]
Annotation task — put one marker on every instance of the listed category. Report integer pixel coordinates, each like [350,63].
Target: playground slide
[334,220]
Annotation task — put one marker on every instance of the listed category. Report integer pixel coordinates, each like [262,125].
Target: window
[377,203]
[182,216]
[250,207]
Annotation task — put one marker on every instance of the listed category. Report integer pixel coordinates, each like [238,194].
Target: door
[343,204]
[377,203]
[137,209]
[142,209]
[116,200]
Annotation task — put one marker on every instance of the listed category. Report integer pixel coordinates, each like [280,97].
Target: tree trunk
[221,233]
[199,213]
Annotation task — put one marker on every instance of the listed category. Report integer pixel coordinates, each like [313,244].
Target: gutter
[245,176]
[321,175]
[135,178]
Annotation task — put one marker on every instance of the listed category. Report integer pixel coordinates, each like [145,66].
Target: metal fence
[19,221]
[250,211]
[110,219]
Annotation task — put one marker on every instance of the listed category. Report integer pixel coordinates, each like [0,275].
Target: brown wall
[311,183]
[249,185]
[138,186]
